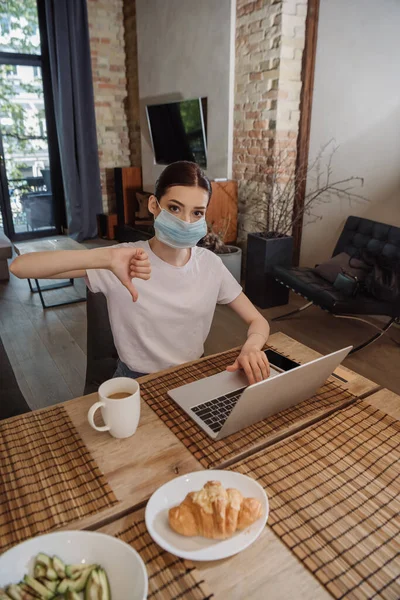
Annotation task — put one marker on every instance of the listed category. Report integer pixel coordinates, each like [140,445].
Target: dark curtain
[71,75]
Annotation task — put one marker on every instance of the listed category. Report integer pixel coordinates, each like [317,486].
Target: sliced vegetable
[75,571]
[105,585]
[44,560]
[59,567]
[27,592]
[42,590]
[39,570]
[74,585]
[14,592]
[51,575]
[3,595]
[72,596]
[98,587]
[51,585]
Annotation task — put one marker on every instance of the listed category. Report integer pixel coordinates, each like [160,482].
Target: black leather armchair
[358,234]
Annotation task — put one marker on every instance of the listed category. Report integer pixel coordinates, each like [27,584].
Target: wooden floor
[47,349]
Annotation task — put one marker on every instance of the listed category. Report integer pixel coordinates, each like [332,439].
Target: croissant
[214,512]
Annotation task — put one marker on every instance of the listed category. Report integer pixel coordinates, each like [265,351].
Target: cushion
[342,263]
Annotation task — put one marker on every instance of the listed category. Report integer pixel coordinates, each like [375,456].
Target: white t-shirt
[170,321]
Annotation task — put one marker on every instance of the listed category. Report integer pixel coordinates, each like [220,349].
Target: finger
[140,269]
[131,289]
[141,254]
[144,276]
[140,263]
[266,363]
[264,369]
[245,364]
[255,366]
[233,367]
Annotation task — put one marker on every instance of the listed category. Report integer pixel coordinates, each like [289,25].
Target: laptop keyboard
[215,412]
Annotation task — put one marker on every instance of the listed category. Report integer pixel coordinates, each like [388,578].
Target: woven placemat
[169,576]
[335,502]
[213,453]
[48,478]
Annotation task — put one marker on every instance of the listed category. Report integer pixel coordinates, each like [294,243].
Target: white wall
[357,102]
[186,50]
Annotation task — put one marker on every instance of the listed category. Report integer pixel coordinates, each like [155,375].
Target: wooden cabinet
[222,212]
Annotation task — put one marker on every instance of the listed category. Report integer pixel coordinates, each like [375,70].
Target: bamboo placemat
[169,576]
[48,478]
[213,453]
[335,502]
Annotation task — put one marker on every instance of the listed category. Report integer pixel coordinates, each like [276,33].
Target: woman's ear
[153,205]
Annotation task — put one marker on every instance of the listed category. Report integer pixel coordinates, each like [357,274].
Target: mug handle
[91,412]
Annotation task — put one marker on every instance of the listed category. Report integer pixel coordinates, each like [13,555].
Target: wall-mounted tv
[178,131]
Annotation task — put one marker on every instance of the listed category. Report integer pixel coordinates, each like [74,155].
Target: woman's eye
[173,208]
[198,214]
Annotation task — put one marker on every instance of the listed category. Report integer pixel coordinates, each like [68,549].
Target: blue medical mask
[174,232]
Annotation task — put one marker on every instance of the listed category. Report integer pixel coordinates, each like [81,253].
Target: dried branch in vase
[269,197]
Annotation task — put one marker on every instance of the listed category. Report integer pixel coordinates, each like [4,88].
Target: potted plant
[269,206]
[230,255]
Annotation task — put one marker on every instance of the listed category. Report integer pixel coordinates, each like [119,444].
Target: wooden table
[49,245]
[136,467]
[282,576]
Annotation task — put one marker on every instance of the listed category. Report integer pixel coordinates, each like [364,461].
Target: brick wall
[269,45]
[132,104]
[106,29]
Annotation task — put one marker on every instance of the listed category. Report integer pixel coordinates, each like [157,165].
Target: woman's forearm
[258,333]
[42,265]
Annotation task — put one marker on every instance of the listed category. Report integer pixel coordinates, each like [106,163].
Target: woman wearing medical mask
[175,285]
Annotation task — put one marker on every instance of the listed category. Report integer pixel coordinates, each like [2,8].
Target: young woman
[174,284]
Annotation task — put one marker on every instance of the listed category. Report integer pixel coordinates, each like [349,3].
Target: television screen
[178,131]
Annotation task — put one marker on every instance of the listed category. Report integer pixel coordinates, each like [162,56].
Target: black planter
[262,255]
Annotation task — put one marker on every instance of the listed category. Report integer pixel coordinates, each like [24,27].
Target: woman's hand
[254,363]
[127,263]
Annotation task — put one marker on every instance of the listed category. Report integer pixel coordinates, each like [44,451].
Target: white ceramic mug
[121,416]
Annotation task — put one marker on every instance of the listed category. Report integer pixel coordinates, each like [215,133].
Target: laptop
[224,403]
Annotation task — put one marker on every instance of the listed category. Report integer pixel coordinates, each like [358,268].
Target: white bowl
[125,569]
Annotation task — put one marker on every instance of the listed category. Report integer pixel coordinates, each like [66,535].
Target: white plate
[199,548]
[124,567]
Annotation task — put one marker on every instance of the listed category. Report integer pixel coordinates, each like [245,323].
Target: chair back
[102,356]
[378,239]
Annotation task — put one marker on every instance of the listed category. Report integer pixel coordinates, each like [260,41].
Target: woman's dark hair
[182,172]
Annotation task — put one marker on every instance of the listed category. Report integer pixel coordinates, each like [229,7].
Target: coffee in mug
[119,395]
[119,401]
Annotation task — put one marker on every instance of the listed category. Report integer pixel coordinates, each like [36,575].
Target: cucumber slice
[59,567]
[27,592]
[104,585]
[44,593]
[74,585]
[44,560]
[3,595]
[75,571]
[14,592]
[72,596]
[51,585]
[51,575]
[92,589]
[39,570]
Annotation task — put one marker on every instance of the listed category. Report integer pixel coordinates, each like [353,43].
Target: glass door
[30,206]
